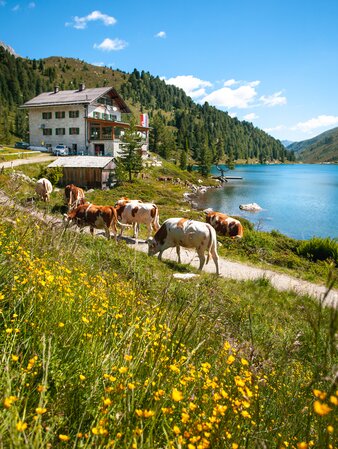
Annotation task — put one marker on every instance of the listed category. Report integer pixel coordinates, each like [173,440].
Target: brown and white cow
[177,232]
[135,212]
[225,225]
[96,217]
[74,196]
[44,188]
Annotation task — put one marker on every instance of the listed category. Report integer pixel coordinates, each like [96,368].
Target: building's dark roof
[81,162]
[68,97]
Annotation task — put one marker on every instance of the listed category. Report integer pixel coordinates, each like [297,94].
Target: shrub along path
[228,269]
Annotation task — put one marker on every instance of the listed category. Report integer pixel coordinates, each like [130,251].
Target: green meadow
[101,347]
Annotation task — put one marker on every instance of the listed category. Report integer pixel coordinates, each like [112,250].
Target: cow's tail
[156,219]
[46,194]
[70,204]
[116,220]
[211,241]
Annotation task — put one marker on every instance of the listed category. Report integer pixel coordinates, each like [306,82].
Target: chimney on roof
[56,89]
[82,87]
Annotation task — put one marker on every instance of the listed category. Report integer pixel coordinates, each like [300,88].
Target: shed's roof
[68,97]
[82,162]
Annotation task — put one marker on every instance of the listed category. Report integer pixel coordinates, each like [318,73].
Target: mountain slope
[202,134]
[322,148]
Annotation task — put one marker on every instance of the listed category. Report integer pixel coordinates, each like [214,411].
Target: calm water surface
[300,201]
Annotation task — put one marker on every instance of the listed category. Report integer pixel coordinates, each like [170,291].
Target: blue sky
[273,63]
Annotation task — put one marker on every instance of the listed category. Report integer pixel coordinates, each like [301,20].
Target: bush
[319,249]
[53,174]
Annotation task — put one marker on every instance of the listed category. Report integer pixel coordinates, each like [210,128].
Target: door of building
[99,149]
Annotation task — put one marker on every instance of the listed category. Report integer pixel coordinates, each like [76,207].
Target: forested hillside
[322,148]
[181,129]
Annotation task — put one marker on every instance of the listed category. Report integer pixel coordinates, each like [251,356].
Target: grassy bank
[102,347]
[270,250]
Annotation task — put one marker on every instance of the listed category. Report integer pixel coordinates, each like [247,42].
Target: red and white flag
[144,120]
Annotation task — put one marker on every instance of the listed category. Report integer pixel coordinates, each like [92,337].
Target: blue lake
[300,201]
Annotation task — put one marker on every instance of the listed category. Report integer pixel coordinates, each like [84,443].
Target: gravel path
[242,272]
[42,157]
[228,269]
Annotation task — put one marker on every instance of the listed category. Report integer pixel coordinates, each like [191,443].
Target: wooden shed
[86,171]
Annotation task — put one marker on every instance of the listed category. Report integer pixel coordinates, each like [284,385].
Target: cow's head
[152,247]
[69,219]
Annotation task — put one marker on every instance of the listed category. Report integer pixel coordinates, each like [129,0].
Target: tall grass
[102,347]
[320,249]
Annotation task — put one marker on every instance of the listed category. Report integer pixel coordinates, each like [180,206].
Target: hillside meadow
[102,347]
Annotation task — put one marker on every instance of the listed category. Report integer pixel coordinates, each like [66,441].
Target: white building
[88,121]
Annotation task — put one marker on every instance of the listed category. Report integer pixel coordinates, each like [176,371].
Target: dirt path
[242,272]
[42,157]
[228,269]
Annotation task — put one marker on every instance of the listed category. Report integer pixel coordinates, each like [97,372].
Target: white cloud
[161,34]
[275,99]
[229,83]
[194,87]
[2,3]
[31,5]
[241,97]
[250,117]
[232,114]
[16,8]
[275,128]
[98,64]
[321,121]
[80,23]
[111,45]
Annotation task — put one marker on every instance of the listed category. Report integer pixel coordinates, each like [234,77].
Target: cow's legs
[106,230]
[92,231]
[150,230]
[136,228]
[201,256]
[178,251]
[215,259]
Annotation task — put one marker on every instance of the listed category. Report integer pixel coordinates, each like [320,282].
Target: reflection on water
[300,201]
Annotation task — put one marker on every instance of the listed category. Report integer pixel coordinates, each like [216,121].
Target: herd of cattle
[174,232]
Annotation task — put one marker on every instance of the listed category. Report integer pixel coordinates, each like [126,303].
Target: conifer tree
[130,157]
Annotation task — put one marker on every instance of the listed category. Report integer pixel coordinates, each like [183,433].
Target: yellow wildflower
[234,446]
[319,394]
[330,429]
[321,408]
[334,400]
[174,368]
[128,358]
[64,437]
[82,377]
[176,430]
[40,410]
[230,360]
[61,324]
[123,369]
[302,445]
[107,401]
[185,418]
[9,401]
[176,395]
[21,426]
[15,358]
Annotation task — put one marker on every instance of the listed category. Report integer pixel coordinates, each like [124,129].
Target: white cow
[44,188]
[135,212]
[177,232]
